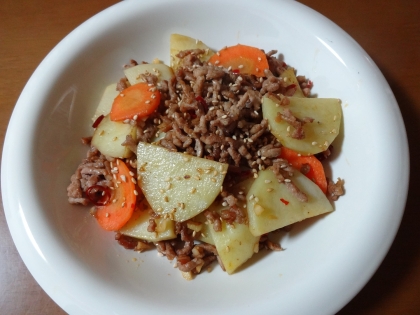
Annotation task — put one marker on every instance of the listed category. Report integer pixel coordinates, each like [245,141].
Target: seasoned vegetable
[136,101]
[306,125]
[118,211]
[109,135]
[180,43]
[271,205]
[176,184]
[242,58]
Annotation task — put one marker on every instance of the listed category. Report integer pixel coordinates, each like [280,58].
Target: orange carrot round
[242,58]
[136,101]
[315,171]
[116,213]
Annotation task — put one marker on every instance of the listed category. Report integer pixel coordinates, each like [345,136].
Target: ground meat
[95,169]
[335,190]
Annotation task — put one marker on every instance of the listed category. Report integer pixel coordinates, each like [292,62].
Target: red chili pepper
[98,194]
[291,86]
[284,64]
[202,102]
[235,71]
[284,201]
[310,84]
[97,121]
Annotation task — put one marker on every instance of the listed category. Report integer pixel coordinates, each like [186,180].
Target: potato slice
[105,104]
[271,205]
[162,71]
[176,184]
[181,42]
[289,77]
[204,234]
[139,222]
[319,134]
[109,135]
[235,244]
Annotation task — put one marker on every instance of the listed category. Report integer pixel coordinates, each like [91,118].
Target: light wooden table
[388,30]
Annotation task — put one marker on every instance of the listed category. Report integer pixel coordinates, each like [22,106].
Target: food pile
[206,158]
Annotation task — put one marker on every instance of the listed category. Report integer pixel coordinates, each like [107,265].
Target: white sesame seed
[123,178]
[240,66]
[314,143]
[286,180]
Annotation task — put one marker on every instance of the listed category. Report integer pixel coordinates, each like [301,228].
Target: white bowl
[327,259]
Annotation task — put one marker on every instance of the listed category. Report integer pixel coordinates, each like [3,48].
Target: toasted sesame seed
[224,116]
[213,179]
[267,181]
[166,198]
[133,180]
[314,143]
[270,189]
[255,175]
[240,66]
[123,205]
[197,177]
[251,197]
[227,249]
[287,180]
[136,192]
[193,190]
[107,214]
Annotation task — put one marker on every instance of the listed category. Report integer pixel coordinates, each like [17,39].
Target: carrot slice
[315,171]
[242,58]
[114,215]
[137,100]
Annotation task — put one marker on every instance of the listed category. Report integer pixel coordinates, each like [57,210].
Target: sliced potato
[204,234]
[271,205]
[181,42]
[105,104]
[162,71]
[235,244]
[290,78]
[319,134]
[109,135]
[176,184]
[139,222]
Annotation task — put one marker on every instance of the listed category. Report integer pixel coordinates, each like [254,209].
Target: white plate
[328,259]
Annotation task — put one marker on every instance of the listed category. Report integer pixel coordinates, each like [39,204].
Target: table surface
[388,30]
